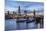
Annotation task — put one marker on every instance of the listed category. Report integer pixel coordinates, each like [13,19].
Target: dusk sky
[12,5]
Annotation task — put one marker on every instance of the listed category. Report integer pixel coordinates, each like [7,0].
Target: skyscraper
[19,9]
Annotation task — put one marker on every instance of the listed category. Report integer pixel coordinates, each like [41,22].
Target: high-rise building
[34,12]
[19,10]
[8,12]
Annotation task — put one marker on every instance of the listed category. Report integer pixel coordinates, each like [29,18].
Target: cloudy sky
[12,5]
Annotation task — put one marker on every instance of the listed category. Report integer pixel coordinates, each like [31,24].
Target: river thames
[11,24]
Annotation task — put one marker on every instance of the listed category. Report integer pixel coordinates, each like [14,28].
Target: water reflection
[11,24]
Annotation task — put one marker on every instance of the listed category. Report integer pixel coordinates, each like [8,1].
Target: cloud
[12,5]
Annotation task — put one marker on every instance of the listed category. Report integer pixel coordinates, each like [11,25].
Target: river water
[11,24]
